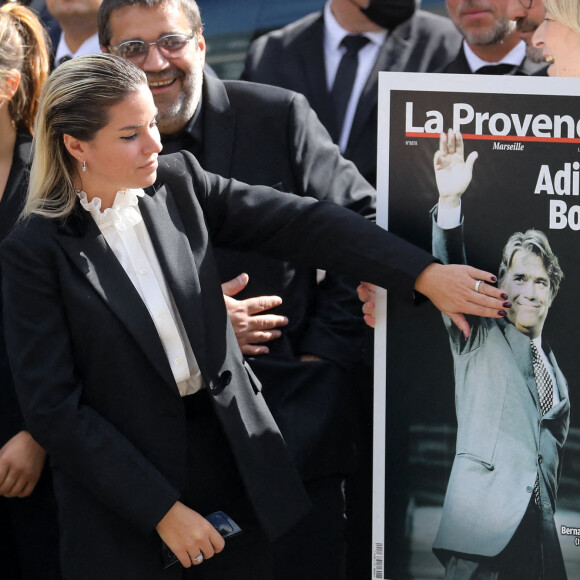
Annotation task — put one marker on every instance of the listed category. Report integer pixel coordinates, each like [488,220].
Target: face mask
[389,13]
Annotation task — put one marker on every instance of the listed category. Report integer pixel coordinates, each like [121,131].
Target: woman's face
[123,154]
[560,46]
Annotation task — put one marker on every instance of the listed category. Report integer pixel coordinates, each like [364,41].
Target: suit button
[225,379]
[529,489]
[540,459]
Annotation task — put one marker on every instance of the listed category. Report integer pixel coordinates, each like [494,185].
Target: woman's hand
[454,289]
[458,289]
[189,535]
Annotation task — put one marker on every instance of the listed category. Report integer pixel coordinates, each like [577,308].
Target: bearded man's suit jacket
[264,135]
[93,379]
[502,439]
[293,58]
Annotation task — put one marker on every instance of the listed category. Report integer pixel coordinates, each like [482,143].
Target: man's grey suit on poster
[503,441]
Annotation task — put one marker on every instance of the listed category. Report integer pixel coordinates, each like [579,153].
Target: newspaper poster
[476,452]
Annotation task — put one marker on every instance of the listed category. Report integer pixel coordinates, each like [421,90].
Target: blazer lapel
[178,262]
[561,381]
[529,68]
[88,250]
[459,64]
[219,126]
[390,58]
[311,58]
[520,346]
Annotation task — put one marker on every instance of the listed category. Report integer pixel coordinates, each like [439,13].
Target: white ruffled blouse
[123,227]
[124,213]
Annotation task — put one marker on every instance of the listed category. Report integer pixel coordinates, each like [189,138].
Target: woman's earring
[83,165]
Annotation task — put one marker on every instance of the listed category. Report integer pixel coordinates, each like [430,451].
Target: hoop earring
[83,166]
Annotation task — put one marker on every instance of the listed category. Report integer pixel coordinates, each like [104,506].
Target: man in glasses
[491,45]
[266,135]
[528,15]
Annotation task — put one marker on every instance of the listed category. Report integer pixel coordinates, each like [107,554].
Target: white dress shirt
[514,57]
[333,52]
[89,46]
[126,233]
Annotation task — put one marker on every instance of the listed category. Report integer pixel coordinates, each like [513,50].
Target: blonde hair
[75,101]
[24,48]
[565,11]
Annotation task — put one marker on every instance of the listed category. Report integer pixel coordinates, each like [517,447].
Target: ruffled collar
[124,213]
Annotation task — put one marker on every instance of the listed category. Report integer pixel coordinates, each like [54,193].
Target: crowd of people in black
[181,333]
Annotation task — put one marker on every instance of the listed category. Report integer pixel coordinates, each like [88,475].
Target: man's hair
[533,242]
[566,11]
[188,7]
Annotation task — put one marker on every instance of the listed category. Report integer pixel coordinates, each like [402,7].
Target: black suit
[93,379]
[267,135]
[459,65]
[293,58]
[28,534]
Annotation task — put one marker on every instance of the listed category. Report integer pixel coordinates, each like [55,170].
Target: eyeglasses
[527,4]
[136,51]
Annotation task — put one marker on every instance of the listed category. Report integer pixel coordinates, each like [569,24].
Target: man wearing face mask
[376,35]
[334,58]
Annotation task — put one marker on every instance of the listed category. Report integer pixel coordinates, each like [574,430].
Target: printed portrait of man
[512,404]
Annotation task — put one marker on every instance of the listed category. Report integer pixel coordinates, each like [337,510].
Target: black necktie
[496,69]
[345,75]
[545,388]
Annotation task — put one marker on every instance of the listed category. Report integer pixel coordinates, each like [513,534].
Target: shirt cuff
[448,219]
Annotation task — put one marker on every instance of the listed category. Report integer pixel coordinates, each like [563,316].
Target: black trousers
[214,484]
[315,549]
